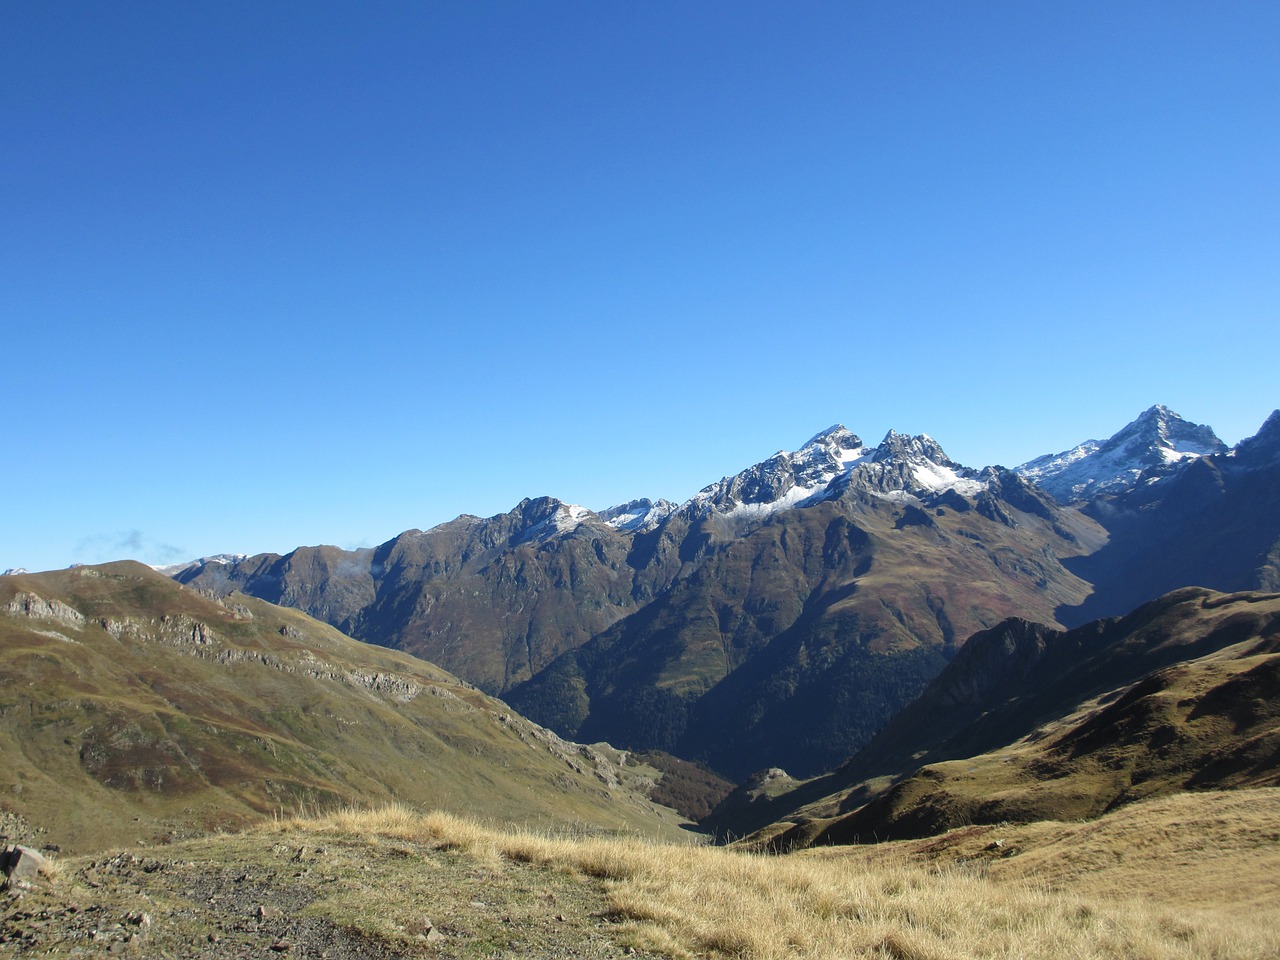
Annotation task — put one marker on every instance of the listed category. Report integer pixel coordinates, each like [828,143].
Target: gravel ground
[244,896]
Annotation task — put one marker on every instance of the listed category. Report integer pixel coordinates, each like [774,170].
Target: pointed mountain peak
[825,452]
[786,479]
[837,435]
[1160,429]
[906,466]
[1157,411]
[1154,445]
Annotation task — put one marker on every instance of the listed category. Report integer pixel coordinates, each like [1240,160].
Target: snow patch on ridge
[222,559]
[795,497]
[935,477]
[564,518]
[641,514]
[568,517]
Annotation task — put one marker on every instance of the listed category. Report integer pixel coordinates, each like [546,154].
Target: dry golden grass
[1202,851]
[701,901]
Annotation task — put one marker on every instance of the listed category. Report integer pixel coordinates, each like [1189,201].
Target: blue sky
[279,274]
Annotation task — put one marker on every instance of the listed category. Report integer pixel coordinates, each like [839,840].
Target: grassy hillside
[1183,694]
[1145,883]
[134,708]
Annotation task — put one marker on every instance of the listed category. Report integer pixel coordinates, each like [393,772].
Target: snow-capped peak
[548,517]
[826,455]
[901,467]
[1169,436]
[1155,443]
[786,479]
[905,466]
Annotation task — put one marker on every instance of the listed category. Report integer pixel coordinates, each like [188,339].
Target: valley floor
[1195,875]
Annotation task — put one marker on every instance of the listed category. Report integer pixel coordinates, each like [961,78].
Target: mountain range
[782,615]
[913,638]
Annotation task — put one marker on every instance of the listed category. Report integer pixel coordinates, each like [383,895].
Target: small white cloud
[127,545]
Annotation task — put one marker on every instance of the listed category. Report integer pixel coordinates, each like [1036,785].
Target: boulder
[20,863]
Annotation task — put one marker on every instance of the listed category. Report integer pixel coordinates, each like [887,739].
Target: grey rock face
[30,605]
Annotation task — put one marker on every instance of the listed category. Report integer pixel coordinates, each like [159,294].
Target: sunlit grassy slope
[1146,882]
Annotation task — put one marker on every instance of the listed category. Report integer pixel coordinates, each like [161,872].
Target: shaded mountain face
[790,642]
[778,617]
[1031,723]
[1154,445]
[132,707]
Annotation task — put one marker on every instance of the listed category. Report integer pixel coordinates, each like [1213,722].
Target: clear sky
[275,274]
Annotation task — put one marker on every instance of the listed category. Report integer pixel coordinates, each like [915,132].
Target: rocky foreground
[288,895]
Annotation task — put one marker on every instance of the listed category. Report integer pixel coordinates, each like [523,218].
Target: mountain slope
[133,707]
[493,600]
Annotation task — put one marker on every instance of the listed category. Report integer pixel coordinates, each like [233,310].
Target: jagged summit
[837,434]
[784,480]
[911,466]
[1161,435]
[1153,444]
